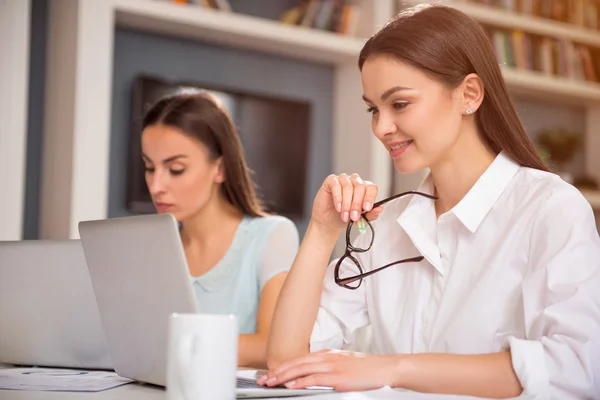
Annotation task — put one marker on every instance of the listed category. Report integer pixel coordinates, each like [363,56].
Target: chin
[407,166]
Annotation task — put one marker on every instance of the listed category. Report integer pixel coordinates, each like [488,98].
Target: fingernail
[290,384]
[271,380]
[345,216]
[368,206]
[262,379]
[354,215]
[338,207]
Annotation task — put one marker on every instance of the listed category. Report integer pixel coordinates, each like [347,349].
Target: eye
[149,170]
[372,110]
[399,105]
[176,172]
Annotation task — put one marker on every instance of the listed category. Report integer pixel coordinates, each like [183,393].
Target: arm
[279,251]
[485,375]
[559,356]
[305,308]
[298,304]
[253,347]
[561,353]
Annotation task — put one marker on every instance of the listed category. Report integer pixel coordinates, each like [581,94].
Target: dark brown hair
[199,115]
[448,45]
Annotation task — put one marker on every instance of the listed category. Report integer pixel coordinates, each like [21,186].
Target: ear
[220,168]
[472,93]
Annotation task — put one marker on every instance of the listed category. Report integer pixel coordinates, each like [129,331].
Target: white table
[142,391]
[131,391]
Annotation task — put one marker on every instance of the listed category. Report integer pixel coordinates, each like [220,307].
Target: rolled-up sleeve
[560,356]
[342,311]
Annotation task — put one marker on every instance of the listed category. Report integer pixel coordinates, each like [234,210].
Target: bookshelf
[551,89]
[534,84]
[75,179]
[75,184]
[231,29]
[508,19]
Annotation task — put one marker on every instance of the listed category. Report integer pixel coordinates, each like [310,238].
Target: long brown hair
[200,115]
[448,45]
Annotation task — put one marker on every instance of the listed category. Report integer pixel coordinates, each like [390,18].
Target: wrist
[403,368]
[322,232]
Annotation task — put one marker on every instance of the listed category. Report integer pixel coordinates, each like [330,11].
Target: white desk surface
[131,391]
[142,391]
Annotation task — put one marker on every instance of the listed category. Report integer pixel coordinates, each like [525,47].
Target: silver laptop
[140,276]
[48,311]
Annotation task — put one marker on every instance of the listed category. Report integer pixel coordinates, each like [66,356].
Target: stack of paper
[52,379]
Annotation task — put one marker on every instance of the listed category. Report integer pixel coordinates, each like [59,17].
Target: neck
[216,217]
[460,169]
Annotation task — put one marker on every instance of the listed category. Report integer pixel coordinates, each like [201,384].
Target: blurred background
[76,76]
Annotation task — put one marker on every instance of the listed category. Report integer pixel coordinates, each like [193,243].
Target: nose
[156,183]
[383,125]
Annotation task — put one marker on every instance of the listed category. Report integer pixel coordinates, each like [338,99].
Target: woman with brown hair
[484,282]
[238,256]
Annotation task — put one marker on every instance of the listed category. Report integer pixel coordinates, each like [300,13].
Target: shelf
[551,88]
[489,15]
[593,197]
[242,31]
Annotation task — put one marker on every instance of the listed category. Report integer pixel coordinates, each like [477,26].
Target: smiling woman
[237,255]
[485,282]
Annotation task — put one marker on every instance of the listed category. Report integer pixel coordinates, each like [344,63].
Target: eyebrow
[388,93]
[166,160]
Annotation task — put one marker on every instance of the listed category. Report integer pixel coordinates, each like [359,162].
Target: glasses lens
[361,235]
[349,269]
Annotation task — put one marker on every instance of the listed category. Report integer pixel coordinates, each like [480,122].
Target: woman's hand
[342,198]
[342,370]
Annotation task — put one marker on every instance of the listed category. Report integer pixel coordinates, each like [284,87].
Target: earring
[468,111]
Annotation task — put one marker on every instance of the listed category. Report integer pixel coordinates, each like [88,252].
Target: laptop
[48,311]
[140,276]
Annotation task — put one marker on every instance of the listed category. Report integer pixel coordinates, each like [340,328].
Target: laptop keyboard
[245,383]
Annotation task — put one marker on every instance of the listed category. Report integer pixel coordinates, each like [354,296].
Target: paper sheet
[55,379]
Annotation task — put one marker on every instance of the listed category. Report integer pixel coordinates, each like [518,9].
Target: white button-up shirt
[515,265]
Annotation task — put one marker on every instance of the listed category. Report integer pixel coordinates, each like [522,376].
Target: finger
[374,213]
[301,371]
[329,380]
[311,357]
[360,189]
[332,185]
[347,190]
[370,195]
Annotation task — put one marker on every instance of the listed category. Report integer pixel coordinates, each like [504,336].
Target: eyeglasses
[353,276]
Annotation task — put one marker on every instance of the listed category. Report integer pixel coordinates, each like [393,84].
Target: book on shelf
[330,15]
[554,57]
[582,13]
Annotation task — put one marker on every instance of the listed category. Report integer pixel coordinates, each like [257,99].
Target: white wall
[14,78]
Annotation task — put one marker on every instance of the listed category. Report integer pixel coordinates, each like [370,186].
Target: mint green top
[261,248]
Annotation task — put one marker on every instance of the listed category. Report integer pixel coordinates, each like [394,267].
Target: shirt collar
[419,218]
[478,201]
[419,222]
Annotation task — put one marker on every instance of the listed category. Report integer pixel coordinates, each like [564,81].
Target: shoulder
[269,225]
[271,222]
[562,218]
[548,193]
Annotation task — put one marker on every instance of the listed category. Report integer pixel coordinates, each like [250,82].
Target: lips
[162,206]
[398,148]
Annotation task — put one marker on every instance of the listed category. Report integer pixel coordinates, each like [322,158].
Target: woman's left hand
[342,370]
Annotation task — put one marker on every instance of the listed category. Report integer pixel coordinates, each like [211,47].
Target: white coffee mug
[202,357]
